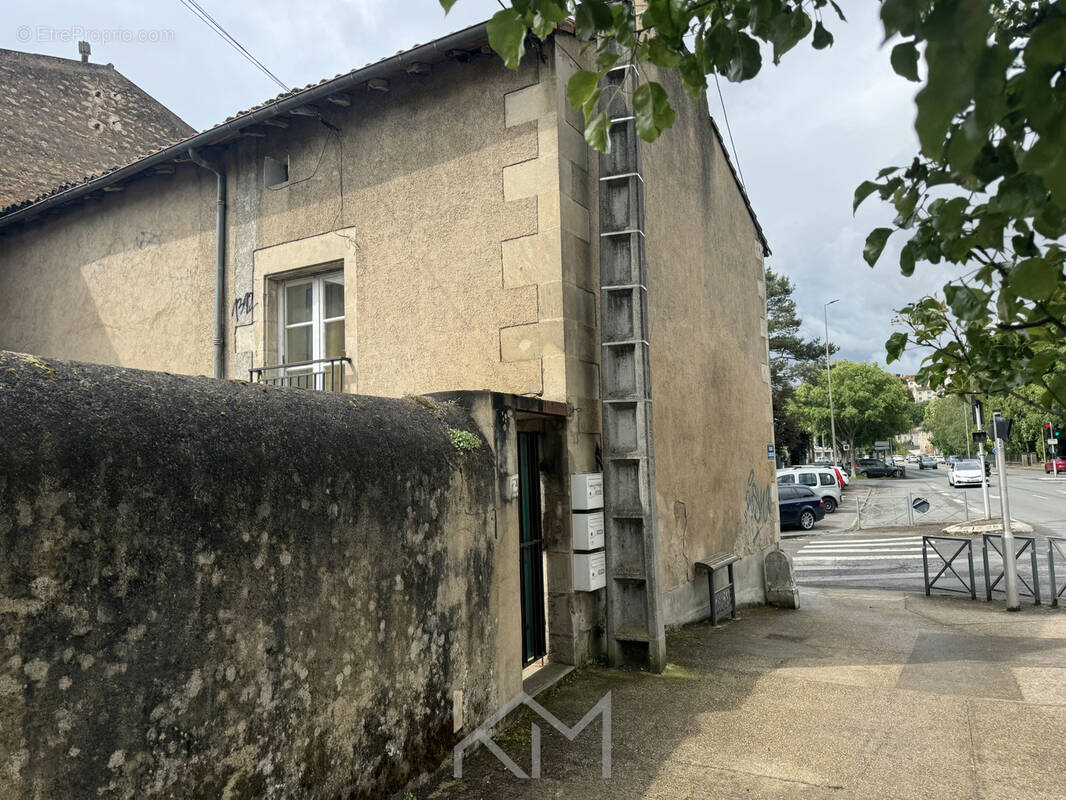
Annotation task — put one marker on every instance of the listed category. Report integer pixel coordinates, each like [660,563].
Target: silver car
[966,472]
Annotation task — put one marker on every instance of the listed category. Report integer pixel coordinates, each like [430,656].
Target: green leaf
[822,37]
[507,36]
[606,60]
[591,17]
[542,26]
[597,133]
[966,303]
[866,188]
[907,259]
[900,16]
[1035,279]
[747,60]
[895,345]
[653,111]
[447,5]
[581,86]
[1047,44]
[904,60]
[875,243]
[662,54]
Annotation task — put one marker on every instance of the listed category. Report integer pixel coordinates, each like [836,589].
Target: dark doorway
[531,551]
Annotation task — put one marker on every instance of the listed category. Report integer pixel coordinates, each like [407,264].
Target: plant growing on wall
[987,191]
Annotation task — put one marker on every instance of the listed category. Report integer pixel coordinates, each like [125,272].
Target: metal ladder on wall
[635,634]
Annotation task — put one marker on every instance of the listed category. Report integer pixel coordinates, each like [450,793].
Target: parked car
[876,468]
[799,505]
[926,462]
[842,477]
[939,459]
[965,472]
[822,480]
[912,459]
[899,461]
[1058,463]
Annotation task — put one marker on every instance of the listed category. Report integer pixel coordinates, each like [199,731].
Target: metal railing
[892,509]
[1024,543]
[1055,545]
[322,375]
[929,543]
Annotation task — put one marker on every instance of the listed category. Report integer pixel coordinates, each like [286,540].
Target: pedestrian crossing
[859,560]
[891,561]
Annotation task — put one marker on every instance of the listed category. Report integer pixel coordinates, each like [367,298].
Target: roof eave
[460,40]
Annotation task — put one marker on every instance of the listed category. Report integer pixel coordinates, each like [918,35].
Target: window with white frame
[311,330]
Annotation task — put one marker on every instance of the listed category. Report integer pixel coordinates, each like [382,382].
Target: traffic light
[1051,430]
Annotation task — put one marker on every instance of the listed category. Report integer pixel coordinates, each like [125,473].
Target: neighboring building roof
[462,45]
[64,119]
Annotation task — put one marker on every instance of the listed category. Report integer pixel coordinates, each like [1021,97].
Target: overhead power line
[210,22]
[729,130]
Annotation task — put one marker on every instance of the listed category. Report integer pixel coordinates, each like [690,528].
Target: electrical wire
[200,13]
[729,130]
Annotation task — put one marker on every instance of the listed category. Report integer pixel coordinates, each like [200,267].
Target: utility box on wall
[586,491]
[587,531]
[590,571]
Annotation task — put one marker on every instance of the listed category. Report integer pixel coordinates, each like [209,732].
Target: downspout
[213,163]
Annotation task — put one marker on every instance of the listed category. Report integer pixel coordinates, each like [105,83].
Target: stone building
[64,120]
[434,222]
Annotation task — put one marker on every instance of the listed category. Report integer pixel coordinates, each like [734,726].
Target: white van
[821,479]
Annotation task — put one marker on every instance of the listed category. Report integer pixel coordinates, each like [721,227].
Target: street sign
[881,445]
[980,437]
[1052,441]
[770,451]
[846,447]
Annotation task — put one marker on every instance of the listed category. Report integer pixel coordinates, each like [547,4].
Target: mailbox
[586,491]
[590,571]
[587,527]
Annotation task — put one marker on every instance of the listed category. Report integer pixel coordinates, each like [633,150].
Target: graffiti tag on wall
[243,307]
[757,506]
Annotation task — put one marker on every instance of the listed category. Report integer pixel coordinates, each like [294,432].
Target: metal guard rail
[325,374]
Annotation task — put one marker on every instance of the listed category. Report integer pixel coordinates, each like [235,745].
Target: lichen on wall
[213,589]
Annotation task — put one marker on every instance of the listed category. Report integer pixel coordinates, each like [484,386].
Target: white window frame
[317,323]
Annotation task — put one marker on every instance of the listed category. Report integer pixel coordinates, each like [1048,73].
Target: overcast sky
[807,132]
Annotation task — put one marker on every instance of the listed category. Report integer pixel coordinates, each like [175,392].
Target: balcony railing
[321,375]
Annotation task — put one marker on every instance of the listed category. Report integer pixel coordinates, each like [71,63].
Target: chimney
[84,49]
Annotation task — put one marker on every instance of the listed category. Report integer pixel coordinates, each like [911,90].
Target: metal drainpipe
[214,164]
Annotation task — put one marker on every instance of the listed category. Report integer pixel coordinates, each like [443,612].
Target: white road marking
[1039,496]
[897,557]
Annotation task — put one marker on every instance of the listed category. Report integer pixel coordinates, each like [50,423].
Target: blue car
[799,505]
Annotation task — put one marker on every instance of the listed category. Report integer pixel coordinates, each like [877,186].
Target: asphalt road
[887,552]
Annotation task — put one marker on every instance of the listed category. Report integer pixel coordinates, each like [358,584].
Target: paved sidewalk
[861,694]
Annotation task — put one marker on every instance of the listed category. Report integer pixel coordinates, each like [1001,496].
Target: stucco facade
[457,199]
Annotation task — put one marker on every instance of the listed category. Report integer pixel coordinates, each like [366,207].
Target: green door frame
[531,549]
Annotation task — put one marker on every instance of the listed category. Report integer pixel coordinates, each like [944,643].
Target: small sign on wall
[770,452]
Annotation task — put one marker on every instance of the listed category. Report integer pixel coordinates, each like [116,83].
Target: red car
[1058,463]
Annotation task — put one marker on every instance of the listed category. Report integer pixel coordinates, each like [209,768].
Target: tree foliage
[947,421]
[792,358]
[868,403]
[987,191]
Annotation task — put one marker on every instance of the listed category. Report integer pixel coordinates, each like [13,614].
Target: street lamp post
[829,376]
